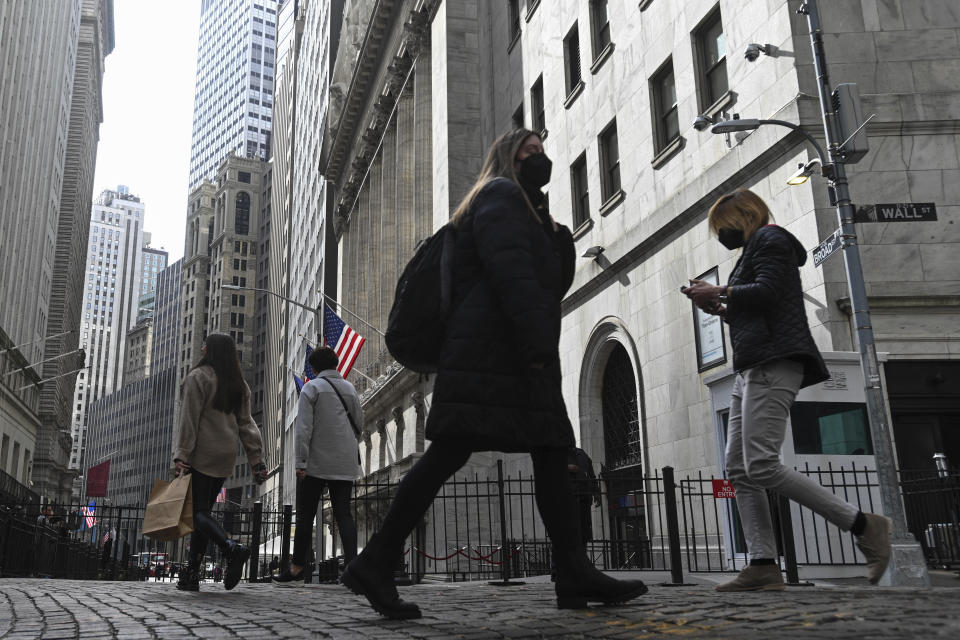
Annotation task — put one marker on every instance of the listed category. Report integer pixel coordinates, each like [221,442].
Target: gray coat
[325,442]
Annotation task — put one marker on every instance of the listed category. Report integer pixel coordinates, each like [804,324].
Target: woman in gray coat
[329,418]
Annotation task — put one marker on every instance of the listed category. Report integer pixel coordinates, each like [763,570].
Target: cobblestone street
[50,609]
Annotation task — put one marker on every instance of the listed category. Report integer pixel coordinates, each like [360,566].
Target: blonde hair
[498,164]
[742,209]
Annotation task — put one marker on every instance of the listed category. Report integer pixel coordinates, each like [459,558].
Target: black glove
[260,473]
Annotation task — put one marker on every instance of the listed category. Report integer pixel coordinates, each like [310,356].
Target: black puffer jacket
[765,307]
[510,274]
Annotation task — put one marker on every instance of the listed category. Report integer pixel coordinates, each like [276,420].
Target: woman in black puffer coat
[498,387]
[774,356]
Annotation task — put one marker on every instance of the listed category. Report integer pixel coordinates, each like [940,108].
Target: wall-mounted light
[593,252]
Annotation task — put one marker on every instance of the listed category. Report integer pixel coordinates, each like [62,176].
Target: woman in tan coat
[214,415]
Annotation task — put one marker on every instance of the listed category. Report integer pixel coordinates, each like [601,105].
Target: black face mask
[731,238]
[535,170]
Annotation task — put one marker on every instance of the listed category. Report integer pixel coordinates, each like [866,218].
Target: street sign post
[897,212]
[827,248]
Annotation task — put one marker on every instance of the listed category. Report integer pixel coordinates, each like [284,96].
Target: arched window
[241,221]
[621,419]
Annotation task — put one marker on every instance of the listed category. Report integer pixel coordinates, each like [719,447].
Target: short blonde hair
[742,209]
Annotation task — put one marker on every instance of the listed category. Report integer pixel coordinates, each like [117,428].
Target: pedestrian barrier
[489,528]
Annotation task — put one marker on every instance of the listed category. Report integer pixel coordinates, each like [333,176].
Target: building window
[579,191]
[599,26]
[517,117]
[242,214]
[664,93]
[538,121]
[514,13]
[609,162]
[830,428]
[571,57]
[711,59]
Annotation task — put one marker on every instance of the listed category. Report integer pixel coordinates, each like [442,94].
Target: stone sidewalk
[53,609]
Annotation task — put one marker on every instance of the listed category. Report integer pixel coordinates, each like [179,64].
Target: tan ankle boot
[757,577]
[875,545]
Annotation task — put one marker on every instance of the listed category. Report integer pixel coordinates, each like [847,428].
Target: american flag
[87,512]
[222,496]
[344,340]
[308,372]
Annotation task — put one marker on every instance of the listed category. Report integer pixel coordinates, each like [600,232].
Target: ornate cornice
[351,175]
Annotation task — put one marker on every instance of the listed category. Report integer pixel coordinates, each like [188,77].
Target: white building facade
[111,298]
[233,97]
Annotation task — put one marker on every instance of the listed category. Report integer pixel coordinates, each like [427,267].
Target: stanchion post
[673,525]
[287,523]
[256,521]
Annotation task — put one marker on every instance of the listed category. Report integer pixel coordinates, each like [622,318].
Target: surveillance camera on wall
[702,122]
[754,50]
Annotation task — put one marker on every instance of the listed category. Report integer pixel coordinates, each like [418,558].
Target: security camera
[702,122]
[754,50]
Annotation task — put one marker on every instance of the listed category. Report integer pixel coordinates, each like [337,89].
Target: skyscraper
[51,67]
[233,97]
[111,298]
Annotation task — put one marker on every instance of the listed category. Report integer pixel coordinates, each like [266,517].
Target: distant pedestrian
[329,418]
[274,565]
[498,387]
[214,419]
[774,356]
[45,517]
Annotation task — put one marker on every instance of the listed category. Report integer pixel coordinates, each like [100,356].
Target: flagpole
[339,304]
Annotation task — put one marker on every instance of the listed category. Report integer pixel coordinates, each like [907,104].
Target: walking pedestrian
[329,420]
[498,387]
[774,356]
[214,417]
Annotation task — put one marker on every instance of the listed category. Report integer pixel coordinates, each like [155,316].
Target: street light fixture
[803,173]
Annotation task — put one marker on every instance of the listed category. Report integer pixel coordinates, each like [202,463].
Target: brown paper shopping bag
[169,513]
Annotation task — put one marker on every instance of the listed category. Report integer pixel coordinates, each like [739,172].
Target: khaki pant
[759,409]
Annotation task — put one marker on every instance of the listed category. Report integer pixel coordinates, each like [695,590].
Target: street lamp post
[907,562]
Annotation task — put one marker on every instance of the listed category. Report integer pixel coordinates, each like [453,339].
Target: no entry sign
[722,488]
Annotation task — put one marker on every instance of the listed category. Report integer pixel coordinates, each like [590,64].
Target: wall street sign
[897,212]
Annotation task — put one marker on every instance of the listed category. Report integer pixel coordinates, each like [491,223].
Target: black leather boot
[370,574]
[189,579]
[237,556]
[579,582]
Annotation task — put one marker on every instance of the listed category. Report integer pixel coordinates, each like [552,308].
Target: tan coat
[208,437]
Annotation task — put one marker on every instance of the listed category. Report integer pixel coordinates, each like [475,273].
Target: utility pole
[908,566]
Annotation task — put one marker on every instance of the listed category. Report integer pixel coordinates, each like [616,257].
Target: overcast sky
[148,112]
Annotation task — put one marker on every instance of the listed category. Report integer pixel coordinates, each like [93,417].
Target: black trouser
[419,487]
[309,491]
[205,489]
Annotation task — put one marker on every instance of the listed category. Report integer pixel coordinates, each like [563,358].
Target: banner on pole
[97,478]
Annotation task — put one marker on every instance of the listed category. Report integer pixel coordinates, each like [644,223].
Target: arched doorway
[623,466]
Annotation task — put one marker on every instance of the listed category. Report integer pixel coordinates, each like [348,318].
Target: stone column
[397,413]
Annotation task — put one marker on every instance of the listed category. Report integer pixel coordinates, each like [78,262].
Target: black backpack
[421,304]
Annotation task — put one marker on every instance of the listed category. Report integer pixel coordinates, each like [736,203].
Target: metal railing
[489,528]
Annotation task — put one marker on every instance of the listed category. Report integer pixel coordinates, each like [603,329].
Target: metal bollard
[673,526]
[257,518]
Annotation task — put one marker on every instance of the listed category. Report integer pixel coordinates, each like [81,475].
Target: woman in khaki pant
[774,356]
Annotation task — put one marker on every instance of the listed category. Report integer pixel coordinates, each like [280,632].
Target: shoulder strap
[356,431]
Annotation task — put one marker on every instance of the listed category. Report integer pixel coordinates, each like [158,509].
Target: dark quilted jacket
[510,274]
[765,308]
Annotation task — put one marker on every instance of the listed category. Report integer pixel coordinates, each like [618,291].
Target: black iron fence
[489,528]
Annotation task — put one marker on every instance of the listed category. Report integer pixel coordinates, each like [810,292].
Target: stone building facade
[221,248]
[52,62]
[420,89]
